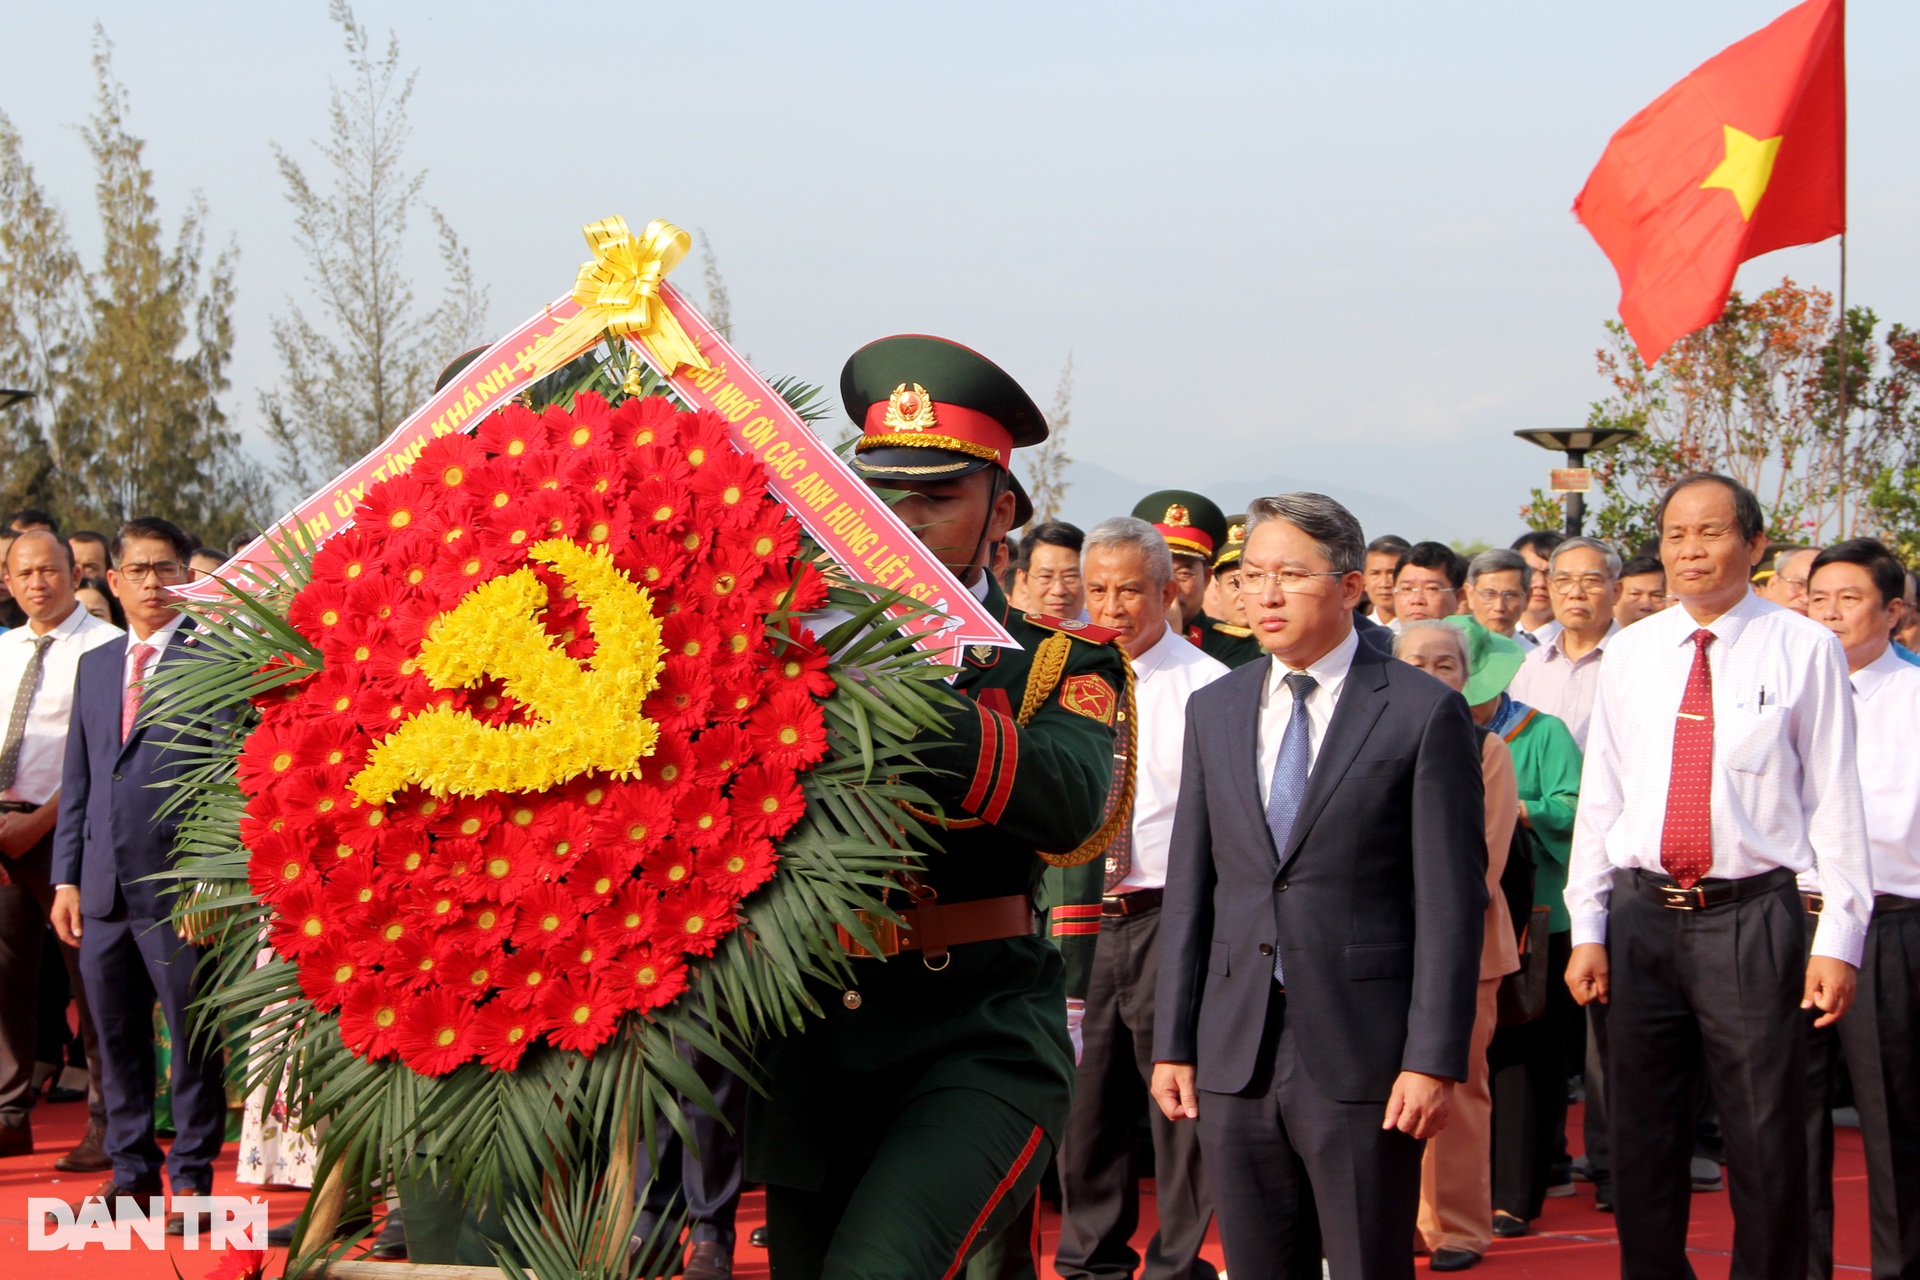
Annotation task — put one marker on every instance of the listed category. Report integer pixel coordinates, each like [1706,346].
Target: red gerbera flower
[604,521]
[409,558]
[348,557]
[766,800]
[774,535]
[652,976]
[586,427]
[719,752]
[701,818]
[660,506]
[737,867]
[579,1014]
[679,702]
[668,867]
[300,921]
[382,708]
[459,569]
[548,914]
[596,876]
[453,464]
[704,437]
[804,662]
[454,864]
[514,432]
[509,865]
[644,421]
[349,893]
[322,793]
[413,963]
[375,937]
[271,753]
[278,863]
[543,472]
[591,790]
[633,915]
[654,561]
[729,488]
[397,503]
[333,742]
[239,1263]
[726,576]
[522,977]
[430,915]
[591,948]
[632,820]
[320,606]
[799,590]
[600,470]
[436,1033]
[470,817]
[327,973]
[403,857]
[670,768]
[466,972]
[688,635]
[377,600]
[696,916]
[370,1016]
[788,729]
[330,693]
[501,1034]
[350,646]
[484,928]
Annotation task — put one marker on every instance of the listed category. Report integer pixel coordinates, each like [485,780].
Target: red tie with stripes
[1686,841]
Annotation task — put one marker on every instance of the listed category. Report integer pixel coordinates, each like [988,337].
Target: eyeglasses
[166,571]
[1293,582]
[1566,583]
[1421,590]
[1499,597]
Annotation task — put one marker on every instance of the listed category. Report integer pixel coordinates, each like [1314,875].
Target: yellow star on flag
[1745,170]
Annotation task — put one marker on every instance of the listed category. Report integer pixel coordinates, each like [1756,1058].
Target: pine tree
[1047,482]
[371,357]
[41,313]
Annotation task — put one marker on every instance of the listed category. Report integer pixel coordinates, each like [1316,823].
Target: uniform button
[1266,948]
[116,777]
[1284,886]
[851,999]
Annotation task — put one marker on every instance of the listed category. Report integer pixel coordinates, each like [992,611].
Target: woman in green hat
[1529,1062]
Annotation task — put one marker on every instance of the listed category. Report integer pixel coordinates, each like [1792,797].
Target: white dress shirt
[1561,686]
[1164,677]
[158,642]
[1276,705]
[43,750]
[1785,790]
[1886,709]
[1546,631]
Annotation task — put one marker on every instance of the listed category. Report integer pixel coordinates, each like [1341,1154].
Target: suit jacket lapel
[1243,739]
[167,654]
[1361,703]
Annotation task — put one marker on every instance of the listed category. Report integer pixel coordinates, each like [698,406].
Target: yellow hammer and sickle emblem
[584,717]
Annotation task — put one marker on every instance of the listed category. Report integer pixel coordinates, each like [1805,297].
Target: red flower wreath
[442,928]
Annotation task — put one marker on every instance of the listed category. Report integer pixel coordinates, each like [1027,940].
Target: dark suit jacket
[1376,904]
[110,836]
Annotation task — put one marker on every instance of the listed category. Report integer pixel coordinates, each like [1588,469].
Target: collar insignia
[980,653]
[910,409]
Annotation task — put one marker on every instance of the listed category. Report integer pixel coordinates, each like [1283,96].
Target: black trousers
[1712,993]
[1880,1040]
[25,906]
[1528,1069]
[1296,1174]
[702,1180]
[1098,1162]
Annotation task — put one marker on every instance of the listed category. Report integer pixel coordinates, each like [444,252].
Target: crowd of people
[1420,846]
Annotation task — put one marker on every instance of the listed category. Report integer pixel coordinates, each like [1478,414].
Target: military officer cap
[1191,523]
[1229,554]
[455,366]
[930,409]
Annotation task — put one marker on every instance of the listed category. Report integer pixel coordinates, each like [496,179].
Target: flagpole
[1843,332]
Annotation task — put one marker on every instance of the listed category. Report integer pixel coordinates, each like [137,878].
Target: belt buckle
[1114,906]
[886,934]
[1675,898]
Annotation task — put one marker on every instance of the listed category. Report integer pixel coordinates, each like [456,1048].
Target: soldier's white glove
[1076,1014]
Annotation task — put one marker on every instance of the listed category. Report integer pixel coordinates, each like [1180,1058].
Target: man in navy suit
[1320,935]
[110,837]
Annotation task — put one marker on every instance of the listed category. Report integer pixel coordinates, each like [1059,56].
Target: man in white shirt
[1537,624]
[1719,766]
[1856,591]
[1128,573]
[37,666]
[1499,584]
[1383,557]
[1560,676]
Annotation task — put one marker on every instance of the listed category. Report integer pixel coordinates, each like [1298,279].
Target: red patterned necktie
[130,701]
[1686,840]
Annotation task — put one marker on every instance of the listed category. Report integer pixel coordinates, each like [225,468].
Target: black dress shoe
[1451,1259]
[147,1192]
[1508,1226]
[90,1156]
[1603,1196]
[391,1244]
[708,1260]
[16,1139]
[757,1237]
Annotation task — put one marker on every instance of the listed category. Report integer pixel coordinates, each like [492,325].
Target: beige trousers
[1456,1174]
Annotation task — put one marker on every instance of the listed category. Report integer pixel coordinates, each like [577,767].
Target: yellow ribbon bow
[619,291]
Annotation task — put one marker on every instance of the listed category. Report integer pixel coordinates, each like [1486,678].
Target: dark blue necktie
[1290,770]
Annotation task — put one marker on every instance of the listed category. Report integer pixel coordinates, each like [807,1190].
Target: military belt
[931,927]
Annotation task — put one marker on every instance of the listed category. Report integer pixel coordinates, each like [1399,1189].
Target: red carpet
[1573,1242]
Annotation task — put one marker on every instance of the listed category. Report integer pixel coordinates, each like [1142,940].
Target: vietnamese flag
[1746,155]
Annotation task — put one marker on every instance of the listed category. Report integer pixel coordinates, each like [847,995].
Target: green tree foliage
[1046,466]
[130,358]
[1757,395]
[369,355]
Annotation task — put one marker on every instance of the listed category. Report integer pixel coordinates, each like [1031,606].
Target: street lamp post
[1576,443]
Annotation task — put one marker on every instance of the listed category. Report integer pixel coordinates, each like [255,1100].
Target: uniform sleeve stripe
[1075,928]
[1009,767]
[983,767]
[1077,909]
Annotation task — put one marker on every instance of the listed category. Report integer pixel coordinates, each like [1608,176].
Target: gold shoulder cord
[1122,811]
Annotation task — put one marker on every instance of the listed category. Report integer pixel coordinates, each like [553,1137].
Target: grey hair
[1607,554]
[1500,560]
[1335,533]
[1437,624]
[1125,531]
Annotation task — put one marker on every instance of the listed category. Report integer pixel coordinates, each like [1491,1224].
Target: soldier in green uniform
[905,1128]
[1233,641]
[1196,531]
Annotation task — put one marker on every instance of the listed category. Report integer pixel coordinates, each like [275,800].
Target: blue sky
[1324,244]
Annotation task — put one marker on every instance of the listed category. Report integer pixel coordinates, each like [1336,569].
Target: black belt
[1708,893]
[1120,905]
[17,806]
[1882,903]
